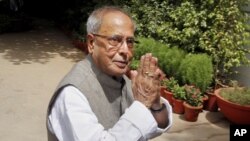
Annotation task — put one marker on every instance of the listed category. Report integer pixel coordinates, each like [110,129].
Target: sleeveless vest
[108,97]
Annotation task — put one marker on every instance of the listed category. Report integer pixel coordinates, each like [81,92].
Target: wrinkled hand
[146,81]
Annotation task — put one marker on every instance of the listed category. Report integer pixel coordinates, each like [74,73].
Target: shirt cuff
[141,118]
[170,114]
[159,131]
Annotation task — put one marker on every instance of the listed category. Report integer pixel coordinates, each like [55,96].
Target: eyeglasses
[118,40]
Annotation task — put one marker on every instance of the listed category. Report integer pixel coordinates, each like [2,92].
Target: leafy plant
[217,28]
[179,92]
[148,45]
[236,94]
[193,95]
[170,61]
[170,83]
[196,69]
[134,64]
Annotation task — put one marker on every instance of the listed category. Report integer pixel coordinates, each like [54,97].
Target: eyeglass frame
[119,40]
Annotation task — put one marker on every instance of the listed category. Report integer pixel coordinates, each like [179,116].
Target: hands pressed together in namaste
[146,82]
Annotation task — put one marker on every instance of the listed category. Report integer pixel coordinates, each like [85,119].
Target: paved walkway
[33,62]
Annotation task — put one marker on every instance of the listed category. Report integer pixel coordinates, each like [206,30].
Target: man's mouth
[121,64]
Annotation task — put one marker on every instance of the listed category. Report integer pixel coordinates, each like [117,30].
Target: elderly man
[96,101]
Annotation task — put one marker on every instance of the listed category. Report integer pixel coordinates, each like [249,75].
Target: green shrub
[171,60]
[148,45]
[196,69]
[160,51]
[134,64]
[144,45]
[215,27]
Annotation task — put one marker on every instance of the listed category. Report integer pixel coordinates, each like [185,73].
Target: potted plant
[211,104]
[196,69]
[167,88]
[178,98]
[234,103]
[193,103]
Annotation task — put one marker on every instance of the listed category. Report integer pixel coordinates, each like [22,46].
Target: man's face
[111,48]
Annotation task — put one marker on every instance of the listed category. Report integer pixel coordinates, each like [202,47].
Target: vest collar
[105,79]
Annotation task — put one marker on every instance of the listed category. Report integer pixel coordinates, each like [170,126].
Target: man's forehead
[115,14]
[116,22]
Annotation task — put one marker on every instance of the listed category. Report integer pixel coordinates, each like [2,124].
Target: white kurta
[72,119]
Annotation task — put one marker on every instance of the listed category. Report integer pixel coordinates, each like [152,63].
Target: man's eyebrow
[123,35]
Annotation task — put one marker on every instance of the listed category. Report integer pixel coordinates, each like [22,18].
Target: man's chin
[121,71]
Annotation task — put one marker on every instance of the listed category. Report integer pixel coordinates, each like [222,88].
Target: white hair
[95,19]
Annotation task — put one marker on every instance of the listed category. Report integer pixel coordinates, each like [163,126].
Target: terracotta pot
[167,95]
[205,100]
[191,113]
[211,104]
[177,105]
[235,113]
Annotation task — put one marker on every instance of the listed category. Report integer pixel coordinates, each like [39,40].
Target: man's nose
[124,47]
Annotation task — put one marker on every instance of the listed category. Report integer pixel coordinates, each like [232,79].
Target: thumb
[133,74]
[160,74]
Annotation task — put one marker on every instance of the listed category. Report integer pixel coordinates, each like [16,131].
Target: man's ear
[90,42]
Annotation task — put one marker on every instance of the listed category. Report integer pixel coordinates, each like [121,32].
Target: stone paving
[33,62]
[210,126]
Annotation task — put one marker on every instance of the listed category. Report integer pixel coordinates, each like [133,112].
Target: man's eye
[131,41]
[116,39]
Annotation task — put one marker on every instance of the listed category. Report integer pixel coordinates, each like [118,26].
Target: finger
[162,75]
[146,63]
[159,74]
[140,68]
[133,74]
[153,65]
